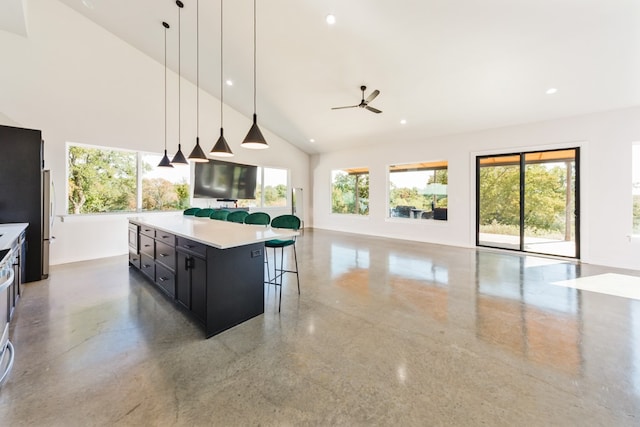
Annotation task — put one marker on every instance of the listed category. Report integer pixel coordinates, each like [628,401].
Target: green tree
[343,193]
[545,196]
[101,180]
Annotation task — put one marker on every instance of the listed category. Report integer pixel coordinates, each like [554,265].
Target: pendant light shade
[179,158]
[221,148]
[254,139]
[165,162]
[197,155]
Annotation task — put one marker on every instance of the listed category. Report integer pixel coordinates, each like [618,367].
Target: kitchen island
[214,270]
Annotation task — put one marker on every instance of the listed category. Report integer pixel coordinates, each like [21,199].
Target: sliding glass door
[529,202]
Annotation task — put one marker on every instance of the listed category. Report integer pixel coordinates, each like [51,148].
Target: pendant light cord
[221,66]
[198,68]
[179,74]
[165,86]
[254,56]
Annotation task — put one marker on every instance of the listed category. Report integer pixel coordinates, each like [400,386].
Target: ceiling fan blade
[348,106]
[372,96]
[375,110]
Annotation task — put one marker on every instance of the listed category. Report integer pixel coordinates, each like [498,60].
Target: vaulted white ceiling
[444,66]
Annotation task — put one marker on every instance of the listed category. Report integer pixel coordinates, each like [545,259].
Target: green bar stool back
[237,216]
[204,213]
[219,214]
[191,211]
[258,218]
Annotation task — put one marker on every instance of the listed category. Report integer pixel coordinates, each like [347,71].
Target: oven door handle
[4,285]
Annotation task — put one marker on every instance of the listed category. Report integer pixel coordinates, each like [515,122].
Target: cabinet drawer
[166,255]
[147,231]
[190,246]
[168,238]
[148,266]
[166,279]
[147,244]
[134,259]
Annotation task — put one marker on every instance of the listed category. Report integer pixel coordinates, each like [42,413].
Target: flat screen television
[224,180]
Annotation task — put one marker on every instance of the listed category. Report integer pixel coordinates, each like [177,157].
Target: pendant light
[197,155]
[165,162]
[221,148]
[179,159]
[254,138]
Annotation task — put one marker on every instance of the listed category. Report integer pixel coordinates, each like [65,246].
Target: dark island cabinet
[219,288]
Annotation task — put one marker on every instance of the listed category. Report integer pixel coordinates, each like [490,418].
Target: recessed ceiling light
[551,91]
[331,19]
[88,4]
[312,140]
[229,82]
[403,121]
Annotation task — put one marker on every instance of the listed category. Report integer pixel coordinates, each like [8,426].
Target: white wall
[606,202]
[78,83]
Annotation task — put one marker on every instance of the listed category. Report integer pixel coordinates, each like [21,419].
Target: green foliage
[344,198]
[636,214]
[545,197]
[101,180]
[275,196]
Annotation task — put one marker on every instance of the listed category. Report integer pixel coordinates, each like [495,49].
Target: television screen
[224,180]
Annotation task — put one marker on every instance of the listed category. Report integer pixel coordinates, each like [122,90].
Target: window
[350,191]
[272,189]
[106,180]
[635,188]
[418,190]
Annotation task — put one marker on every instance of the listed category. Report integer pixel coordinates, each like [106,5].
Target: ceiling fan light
[254,139]
[165,162]
[197,155]
[221,148]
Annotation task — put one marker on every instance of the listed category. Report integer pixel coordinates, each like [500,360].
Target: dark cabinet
[220,288]
[191,280]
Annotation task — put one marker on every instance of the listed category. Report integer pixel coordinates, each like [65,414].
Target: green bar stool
[290,222]
[204,213]
[191,211]
[219,214]
[258,218]
[237,216]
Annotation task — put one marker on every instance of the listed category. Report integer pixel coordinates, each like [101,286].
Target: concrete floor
[385,332]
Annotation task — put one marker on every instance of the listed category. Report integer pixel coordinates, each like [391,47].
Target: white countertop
[218,234]
[9,233]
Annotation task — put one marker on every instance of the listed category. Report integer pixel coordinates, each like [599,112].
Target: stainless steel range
[7,282]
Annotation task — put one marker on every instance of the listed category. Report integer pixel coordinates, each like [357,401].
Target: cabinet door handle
[146,246]
[146,265]
[164,255]
[189,246]
[163,279]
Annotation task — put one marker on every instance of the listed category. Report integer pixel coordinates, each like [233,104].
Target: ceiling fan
[365,102]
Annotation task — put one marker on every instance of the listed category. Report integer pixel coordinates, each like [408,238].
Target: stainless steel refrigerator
[25,195]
